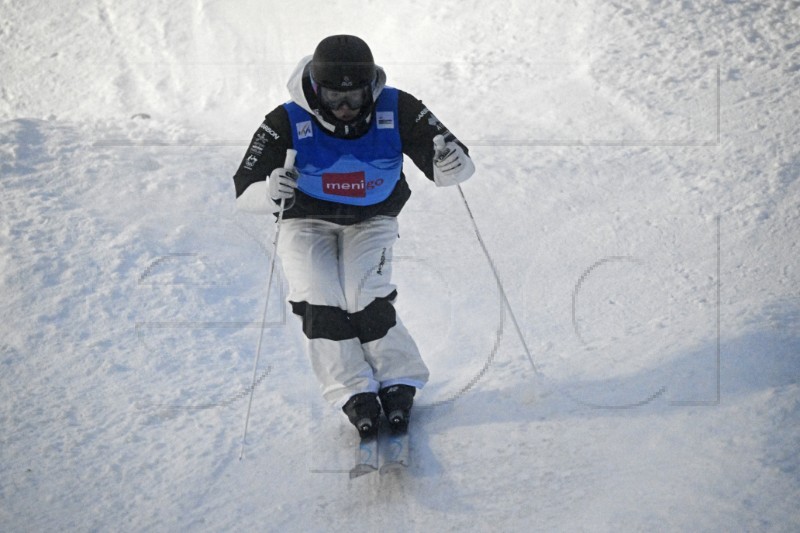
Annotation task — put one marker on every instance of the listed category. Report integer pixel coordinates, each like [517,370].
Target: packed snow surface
[638,192]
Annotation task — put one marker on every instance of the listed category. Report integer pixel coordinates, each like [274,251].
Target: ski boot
[363,411]
[397,401]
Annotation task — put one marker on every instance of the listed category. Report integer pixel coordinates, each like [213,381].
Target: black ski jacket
[418,126]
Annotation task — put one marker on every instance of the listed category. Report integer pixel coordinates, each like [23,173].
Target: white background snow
[638,191]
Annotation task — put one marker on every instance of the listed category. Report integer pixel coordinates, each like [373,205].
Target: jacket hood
[296,91]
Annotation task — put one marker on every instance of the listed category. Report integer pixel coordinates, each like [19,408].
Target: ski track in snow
[638,190]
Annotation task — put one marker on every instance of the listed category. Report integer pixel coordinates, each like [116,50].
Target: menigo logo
[352,184]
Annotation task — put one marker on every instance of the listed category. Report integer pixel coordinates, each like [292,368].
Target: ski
[366,456]
[387,452]
[394,450]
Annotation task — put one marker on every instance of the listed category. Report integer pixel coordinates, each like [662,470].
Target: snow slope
[638,192]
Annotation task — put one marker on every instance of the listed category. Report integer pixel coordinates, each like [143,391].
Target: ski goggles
[333,99]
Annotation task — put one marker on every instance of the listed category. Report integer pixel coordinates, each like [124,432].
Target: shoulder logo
[304,129]
[272,133]
[385,119]
[422,114]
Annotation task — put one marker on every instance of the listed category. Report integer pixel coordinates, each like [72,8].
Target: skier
[341,201]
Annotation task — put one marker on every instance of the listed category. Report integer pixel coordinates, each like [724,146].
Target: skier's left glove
[451,165]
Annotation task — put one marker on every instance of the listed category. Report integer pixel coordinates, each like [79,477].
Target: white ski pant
[340,287]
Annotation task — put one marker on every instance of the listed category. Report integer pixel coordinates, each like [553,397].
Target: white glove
[451,165]
[282,183]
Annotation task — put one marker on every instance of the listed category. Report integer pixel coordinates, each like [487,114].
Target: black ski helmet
[343,62]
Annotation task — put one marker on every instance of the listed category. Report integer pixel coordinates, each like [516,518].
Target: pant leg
[309,252]
[366,272]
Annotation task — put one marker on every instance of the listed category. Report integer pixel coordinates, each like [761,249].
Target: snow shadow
[765,358]
[23,145]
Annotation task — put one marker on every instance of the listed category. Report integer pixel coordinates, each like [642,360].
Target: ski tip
[360,470]
[395,466]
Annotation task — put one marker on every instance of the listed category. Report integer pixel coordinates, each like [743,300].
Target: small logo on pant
[382,263]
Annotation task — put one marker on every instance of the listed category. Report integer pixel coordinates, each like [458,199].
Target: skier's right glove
[282,183]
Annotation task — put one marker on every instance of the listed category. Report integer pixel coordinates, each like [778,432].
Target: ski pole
[288,163]
[440,153]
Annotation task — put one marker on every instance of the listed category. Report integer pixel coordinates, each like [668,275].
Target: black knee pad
[324,321]
[375,320]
